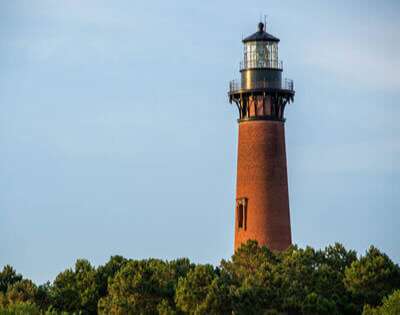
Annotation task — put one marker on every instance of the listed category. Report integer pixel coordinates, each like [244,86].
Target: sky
[117,137]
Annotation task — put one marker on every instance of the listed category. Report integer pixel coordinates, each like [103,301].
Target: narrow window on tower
[241,209]
[240,216]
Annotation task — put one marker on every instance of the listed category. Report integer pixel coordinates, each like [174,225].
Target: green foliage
[21,291]
[165,308]
[311,282]
[316,304]
[8,276]
[248,259]
[338,258]
[371,278]
[254,281]
[20,308]
[52,311]
[391,306]
[251,278]
[295,277]
[141,286]
[106,273]
[202,292]
[42,297]
[76,290]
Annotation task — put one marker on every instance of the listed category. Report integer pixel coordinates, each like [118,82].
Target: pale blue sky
[117,137]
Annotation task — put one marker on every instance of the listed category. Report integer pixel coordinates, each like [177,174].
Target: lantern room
[261,92]
[261,50]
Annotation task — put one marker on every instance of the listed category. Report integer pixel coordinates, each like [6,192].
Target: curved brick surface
[262,179]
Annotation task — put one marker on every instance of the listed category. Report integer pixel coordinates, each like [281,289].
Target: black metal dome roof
[260,35]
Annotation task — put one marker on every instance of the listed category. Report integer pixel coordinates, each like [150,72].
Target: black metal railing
[287,84]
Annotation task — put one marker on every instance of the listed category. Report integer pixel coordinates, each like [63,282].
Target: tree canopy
[298,281]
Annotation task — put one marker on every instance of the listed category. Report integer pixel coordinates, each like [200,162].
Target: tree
[42,298]
[21,308]
[371,278]
[85,276]
[316,304]
[76,290]
[21,291]
[247,260]
[338,258]
[202,292]
[390,306]
[180,268]
[250,276]
[105,273]
[254,281]
[139,288]
[329,275]
[295,277]
[64,292]
[165,308]
[8,276]
[310,281]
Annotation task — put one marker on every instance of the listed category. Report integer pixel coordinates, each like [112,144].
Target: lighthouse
[262,198]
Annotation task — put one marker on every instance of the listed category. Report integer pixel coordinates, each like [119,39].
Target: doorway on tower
[241,213]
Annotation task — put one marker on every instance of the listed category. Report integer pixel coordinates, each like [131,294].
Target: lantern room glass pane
[261,55]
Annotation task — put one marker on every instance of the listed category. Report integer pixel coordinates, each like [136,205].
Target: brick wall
[262,182]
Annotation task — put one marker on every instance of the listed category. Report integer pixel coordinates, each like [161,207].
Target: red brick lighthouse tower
[262,199]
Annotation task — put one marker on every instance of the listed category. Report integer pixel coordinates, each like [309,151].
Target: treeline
[333,281]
